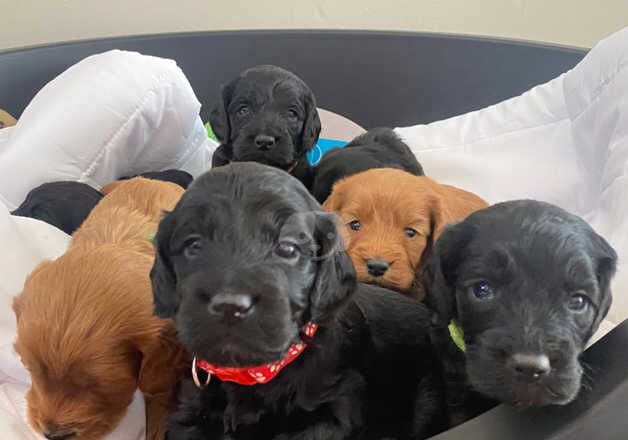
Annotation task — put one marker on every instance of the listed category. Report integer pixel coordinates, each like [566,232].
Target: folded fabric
[113,114]
[564,142]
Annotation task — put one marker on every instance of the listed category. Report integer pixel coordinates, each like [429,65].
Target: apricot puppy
[392,218]
[85,325]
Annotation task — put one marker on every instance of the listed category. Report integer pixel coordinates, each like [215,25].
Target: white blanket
[563,142]
[119,113]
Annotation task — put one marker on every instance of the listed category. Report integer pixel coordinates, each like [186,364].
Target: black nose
[530,366]
[264,142]
[55,436]
[232,306]
[377,267]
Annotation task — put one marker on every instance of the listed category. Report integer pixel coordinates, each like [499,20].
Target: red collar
[253,375]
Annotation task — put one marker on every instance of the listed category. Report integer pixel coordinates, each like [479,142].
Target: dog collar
[151,237]
[457,335]
[254,375]
[293,166]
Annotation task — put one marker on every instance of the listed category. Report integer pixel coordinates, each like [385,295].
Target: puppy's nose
[530,366]
[54,436]
[264,142]
[377,267]
[231,305]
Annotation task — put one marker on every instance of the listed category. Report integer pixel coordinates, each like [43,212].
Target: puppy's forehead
[550,242]
[248,189]
[389,195]
[261,87]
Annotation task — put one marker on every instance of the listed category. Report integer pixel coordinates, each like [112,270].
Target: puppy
[377,148]
[180,177]
[391,221]
[267,115]
[85,327]
[62,204]
[286,344]
[523,285]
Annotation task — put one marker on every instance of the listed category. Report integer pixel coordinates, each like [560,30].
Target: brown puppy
[85,325]
[392,220]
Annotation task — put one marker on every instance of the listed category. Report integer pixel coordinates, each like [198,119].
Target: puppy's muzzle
[530,367]
[231,307]
[377,267]
[264,142]
[54,435]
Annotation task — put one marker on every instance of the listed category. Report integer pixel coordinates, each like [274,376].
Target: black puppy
[527,284]
[267,115]
[248,264]
[62,204]
[377,148]
[180,177]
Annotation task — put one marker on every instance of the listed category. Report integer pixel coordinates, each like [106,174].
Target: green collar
[457,335]
[151,238]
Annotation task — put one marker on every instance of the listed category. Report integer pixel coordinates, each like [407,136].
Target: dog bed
[565,141]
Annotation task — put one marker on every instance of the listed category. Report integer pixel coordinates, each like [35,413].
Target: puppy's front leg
[338,419]
[322,431]
[198,415]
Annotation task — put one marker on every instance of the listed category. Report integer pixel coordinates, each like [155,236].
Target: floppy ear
[440,216]
[606,266]
[219,116]
[333,201]
[162,275]
[449,205]
[439,278]
[161,368]
[311,126]
[335,277]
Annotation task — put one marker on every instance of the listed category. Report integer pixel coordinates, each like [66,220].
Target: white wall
[569,22]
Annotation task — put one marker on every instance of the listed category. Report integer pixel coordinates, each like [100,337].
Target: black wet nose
[54,436]
[530,366]
[231,305]
[264,142]
[377,267]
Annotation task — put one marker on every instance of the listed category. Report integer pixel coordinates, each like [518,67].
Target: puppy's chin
[234,356]
[399,280]
[490,376]
[282,157]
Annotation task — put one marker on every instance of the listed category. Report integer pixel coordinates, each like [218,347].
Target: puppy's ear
[335,278]
[312,124]
[162,275]
[439,277]
[448,205]
[161,367]
[334,201]
[161,353]
[219,116]
[440,216]
[606,266]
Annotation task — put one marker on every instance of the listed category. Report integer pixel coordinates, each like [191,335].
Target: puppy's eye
[482,290]
[192,247]
[292,114]
[243,110]
[287,249]
[354,225]
[410,232]
[578,302]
